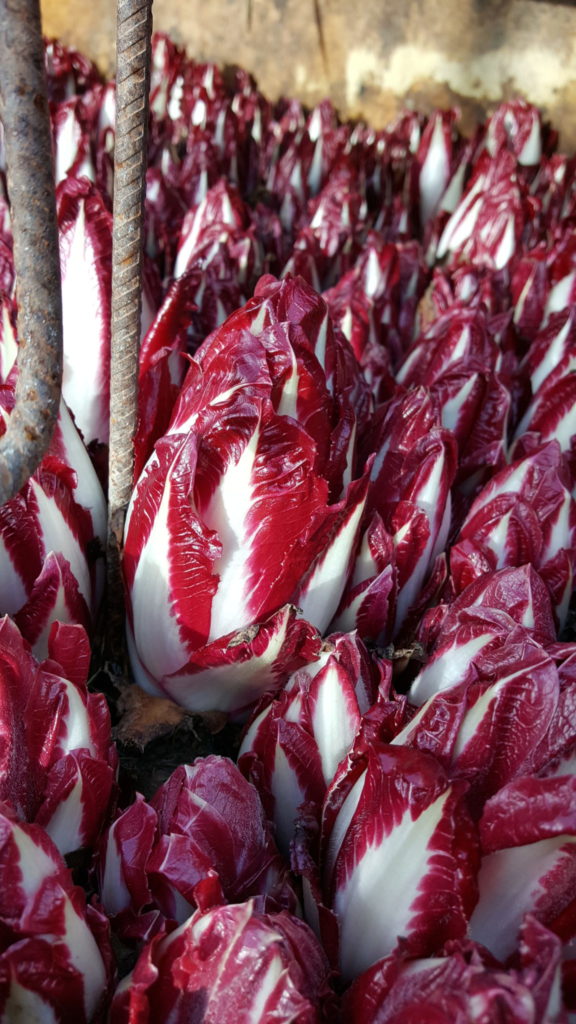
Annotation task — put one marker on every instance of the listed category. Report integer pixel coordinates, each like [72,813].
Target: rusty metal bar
[133,43]
[28,145]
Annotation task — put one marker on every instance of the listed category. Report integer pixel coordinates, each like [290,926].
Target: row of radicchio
[433,832]
[475,888]
[243,526]
[274,424]
[406,521]
[446,835]
[53,532]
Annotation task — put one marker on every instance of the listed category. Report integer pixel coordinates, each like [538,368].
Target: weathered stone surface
[370,57]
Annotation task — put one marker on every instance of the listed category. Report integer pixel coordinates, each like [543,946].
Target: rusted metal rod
[133,43]
[28,145]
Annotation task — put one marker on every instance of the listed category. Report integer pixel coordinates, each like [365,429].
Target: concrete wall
[370,57]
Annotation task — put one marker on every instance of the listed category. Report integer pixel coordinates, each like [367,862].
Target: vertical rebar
[133,43]
[28,147]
